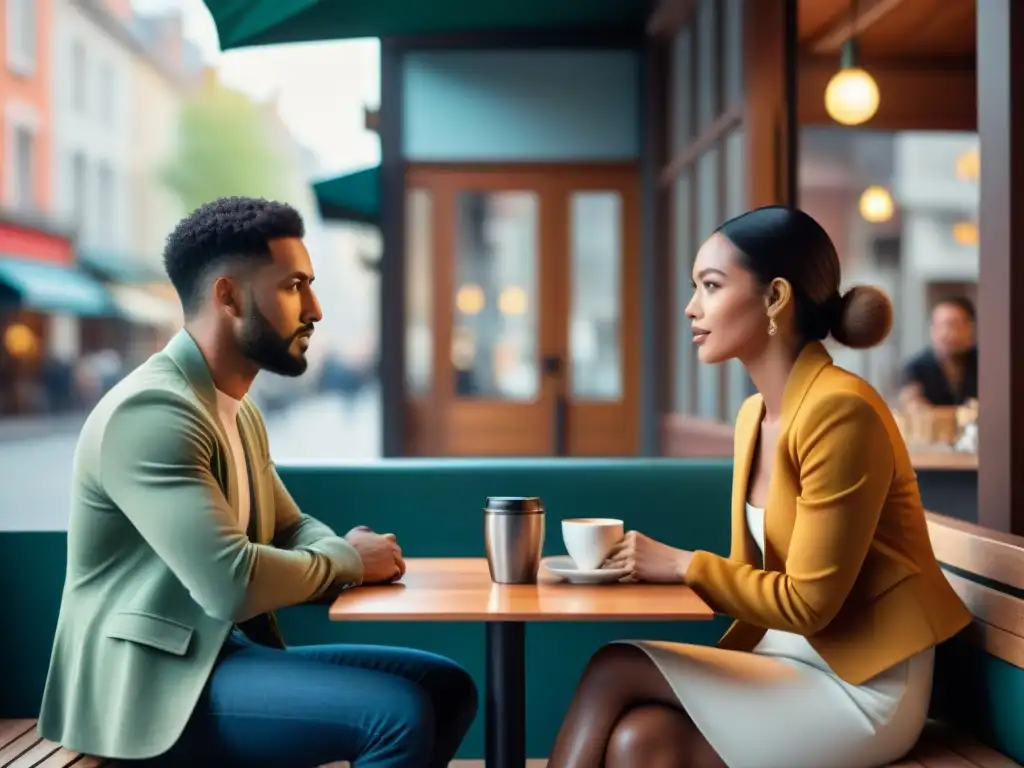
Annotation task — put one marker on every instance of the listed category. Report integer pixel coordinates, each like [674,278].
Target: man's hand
[380,553]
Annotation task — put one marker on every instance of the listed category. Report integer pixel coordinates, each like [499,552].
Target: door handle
[552,365]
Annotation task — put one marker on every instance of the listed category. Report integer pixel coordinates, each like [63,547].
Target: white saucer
[563,566]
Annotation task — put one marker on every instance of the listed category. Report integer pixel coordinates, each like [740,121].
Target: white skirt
[781,706]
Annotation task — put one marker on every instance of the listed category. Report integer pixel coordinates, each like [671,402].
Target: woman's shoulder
[838,394]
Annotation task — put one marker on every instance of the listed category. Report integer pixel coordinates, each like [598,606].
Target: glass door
[601,311]
[529,322]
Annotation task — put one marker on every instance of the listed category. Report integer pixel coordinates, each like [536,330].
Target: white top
[227,410]
[755,524]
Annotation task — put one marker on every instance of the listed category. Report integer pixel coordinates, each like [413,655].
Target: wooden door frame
[425,418]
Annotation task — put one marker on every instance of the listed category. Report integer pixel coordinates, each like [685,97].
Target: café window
[705,177]
[902,210]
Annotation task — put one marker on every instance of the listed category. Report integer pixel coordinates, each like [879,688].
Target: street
[35,473]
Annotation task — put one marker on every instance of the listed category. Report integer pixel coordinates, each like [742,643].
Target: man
[945,374]
[183,541]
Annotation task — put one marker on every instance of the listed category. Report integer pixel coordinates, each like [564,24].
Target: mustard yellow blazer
[848,563]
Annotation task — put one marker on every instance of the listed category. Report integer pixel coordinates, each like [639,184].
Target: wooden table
[943,459]
[460,589]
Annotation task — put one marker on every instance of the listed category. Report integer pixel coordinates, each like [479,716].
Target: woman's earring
[772,327]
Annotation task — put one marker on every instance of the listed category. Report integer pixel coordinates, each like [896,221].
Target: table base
[505,706]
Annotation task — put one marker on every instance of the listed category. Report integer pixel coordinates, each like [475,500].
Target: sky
[321,87]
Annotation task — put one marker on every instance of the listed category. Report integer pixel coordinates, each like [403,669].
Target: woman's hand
[649,560]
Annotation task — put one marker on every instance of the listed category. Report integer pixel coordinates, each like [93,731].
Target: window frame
[683,161]
[22,51]
[20,116]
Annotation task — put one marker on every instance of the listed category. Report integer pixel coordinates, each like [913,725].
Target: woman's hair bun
[864,319]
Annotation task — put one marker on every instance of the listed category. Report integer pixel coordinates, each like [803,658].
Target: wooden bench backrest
[998,626]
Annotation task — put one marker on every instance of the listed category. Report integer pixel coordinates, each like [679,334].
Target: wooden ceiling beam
[869,13]
[895,64]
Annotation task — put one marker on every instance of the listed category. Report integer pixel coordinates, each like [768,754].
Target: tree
[226,146]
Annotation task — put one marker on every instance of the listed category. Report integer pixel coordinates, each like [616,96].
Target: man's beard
[264,346]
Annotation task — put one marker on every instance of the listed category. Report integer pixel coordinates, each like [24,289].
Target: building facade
[26,48]
[80,283]
[117,89]
[35,245]
[93,111]
[160,81]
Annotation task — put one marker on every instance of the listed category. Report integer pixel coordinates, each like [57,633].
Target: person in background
[945,374]
[183,541]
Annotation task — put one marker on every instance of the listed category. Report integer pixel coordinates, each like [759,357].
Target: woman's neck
[770,371]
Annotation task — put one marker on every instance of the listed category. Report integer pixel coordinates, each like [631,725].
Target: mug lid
[514,505]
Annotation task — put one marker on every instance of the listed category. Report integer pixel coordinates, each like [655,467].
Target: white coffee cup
[588,540]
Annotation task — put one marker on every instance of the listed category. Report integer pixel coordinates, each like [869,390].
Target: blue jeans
[374,706]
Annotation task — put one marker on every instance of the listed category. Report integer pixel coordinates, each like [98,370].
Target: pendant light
[851,96]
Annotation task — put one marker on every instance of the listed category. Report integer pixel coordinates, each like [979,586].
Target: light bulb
[876,205]
[851,96]
[965,233]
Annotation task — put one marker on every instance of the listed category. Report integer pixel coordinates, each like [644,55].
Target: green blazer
[158,570]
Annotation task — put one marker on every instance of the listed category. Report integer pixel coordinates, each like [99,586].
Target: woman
[837,597]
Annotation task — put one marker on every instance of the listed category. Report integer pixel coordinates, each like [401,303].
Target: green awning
[242,23]
[52,288]
[352,197]
[118,267]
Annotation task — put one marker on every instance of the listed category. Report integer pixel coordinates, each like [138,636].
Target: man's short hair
[962,303]
[230,229]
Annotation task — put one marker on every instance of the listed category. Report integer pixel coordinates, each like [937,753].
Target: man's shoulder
[147,408]
[923,361]
[157,387]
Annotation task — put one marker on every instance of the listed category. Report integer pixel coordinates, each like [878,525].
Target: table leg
[506,694]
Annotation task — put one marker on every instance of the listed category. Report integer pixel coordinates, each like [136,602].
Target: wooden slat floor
[22,747]
[942,747]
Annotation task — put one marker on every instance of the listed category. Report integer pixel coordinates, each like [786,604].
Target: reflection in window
[496,297]
[681,84]
[682,267]
[419,305]
[710,185]
[735,174]
[923,248]
[707,64]
[739,385]
[707,195]
[708,218]
[596,275]
[732,64]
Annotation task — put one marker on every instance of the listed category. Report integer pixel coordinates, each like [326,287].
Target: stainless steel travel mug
[513,538]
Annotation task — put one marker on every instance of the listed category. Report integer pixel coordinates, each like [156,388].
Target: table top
[944,459]
[460,589]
